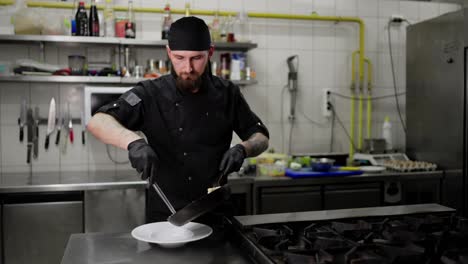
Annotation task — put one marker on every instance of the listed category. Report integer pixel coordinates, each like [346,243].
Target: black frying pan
[196,208]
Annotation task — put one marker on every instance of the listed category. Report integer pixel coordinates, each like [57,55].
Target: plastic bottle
[130,31]
[387,133]
[167,21]
[93,20]
[81,21]
[109,29]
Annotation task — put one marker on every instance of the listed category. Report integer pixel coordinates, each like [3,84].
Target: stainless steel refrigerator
[436,100]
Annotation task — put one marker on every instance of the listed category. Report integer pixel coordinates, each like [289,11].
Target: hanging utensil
[30,129]
[22,119]
[83,127]
[70,124]
[50,122]
[36,133]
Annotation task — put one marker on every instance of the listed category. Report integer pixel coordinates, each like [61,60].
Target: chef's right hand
[142,157]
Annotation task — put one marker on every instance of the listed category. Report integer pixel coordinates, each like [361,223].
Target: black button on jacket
[189,132]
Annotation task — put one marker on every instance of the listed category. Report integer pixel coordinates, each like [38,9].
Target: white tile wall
[324,49]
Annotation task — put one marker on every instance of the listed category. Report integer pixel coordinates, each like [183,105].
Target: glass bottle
[167,21]
[130,25]
[93,20]
[81,20]
[109,28]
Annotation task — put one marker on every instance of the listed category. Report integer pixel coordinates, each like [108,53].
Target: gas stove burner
[277,239]
[314,257]
[455,257]
[383,255]
[429,223]
[357,231]
[436,238]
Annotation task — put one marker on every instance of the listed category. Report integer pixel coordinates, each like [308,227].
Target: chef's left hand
[232,160]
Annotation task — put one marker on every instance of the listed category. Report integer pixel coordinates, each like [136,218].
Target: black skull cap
[189,33]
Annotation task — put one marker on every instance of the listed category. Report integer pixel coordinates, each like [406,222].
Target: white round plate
[168,235]
[372,168]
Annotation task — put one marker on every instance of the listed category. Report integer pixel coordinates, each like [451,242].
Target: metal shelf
[88,79]
[67,40]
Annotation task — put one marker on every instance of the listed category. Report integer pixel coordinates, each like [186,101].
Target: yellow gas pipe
[369,94]
[353,101]
[7,2]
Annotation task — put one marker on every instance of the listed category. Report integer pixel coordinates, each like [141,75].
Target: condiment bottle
[93,20]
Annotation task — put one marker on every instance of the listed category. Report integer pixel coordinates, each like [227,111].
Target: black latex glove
[232,160]
[142,157]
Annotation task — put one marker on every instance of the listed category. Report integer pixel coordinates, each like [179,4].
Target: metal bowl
[322,164]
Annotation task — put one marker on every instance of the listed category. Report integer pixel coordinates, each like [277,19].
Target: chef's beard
[190,86]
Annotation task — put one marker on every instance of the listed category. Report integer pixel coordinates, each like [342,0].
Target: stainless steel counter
[102,180]
[122,248]
[342,213]
[79,181]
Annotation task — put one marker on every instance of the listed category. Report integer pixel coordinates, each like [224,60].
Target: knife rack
[43,121]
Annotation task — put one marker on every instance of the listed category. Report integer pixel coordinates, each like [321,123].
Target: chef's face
[189,66]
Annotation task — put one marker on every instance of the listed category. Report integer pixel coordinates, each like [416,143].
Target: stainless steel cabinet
[352,196]
[421,191]
[289,199]
[38,232]
[117,210]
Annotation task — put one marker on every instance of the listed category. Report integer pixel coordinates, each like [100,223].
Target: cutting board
[308,173]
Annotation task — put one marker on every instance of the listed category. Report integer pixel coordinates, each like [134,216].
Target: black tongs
[196,208]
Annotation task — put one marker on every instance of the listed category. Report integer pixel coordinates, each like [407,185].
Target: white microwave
[97,96]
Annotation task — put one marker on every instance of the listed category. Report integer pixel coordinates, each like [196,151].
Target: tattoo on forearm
[257,143]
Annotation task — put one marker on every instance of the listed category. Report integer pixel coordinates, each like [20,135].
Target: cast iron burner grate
[427,239]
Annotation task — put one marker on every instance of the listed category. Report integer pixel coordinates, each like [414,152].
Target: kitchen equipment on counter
[322,164]
[372,169]
[169,236]
[50,122]
[424,233]
[377,159]
[308,172]
[374,145]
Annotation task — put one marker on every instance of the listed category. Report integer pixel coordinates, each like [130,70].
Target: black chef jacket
[189,132]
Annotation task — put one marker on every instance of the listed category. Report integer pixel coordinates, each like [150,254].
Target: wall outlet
[397,18]
[326,101]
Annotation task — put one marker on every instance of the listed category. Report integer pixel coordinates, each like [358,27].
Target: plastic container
[109,23]
[76,63]
[387,133]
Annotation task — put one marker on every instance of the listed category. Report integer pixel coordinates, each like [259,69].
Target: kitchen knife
[59,128]
[83,128]
[29,123]
[50,122]
[70,123]
[22,119]
[36,133]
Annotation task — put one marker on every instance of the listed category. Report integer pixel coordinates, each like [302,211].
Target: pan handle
[159,191]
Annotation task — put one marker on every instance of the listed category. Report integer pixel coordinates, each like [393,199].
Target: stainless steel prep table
[122,248]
